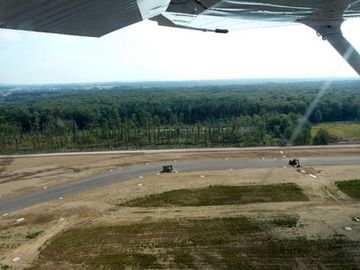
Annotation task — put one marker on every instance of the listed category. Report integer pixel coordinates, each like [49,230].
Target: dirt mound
[308,170]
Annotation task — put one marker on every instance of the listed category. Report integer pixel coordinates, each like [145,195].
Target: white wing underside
[235,15]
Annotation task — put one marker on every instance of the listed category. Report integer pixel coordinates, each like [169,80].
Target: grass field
[351,188]
[221,195]
[338,129]
[222,243]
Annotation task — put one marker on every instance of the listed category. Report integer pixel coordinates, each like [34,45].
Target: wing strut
[331,31]
[346,50]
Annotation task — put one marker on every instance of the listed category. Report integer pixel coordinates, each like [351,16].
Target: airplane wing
[73,17]
[98,17]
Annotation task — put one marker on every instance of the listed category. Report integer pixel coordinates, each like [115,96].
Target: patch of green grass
[351,188]
[221,195]
[285,221]
[33,235]
[184,259]
[338,129]
[222,243]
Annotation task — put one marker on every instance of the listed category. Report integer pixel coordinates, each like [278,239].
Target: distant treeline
[213,116]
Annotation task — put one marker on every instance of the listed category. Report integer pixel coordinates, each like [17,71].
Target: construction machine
[294,162]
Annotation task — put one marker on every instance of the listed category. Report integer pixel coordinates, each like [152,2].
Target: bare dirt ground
[326,214]
[23,174]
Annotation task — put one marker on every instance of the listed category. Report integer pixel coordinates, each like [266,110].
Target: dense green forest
[209,116]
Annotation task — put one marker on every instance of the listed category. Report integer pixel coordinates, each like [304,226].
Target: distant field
[351,188]
[222,195]
[339,129]
[221,243]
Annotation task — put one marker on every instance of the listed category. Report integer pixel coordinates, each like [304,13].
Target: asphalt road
[25,200]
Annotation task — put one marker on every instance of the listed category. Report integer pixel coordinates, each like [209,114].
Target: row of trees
[252,115]
[61,136]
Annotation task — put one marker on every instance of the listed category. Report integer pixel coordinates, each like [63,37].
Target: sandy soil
[326,214]
[23,174]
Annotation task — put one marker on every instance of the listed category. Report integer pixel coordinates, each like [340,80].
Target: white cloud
[9,35]
[68,40]
[90,60]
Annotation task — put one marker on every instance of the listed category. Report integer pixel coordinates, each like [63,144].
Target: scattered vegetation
[351,188]
[222,243]
[322,137]
[33,235]
[288,221]
[221,195]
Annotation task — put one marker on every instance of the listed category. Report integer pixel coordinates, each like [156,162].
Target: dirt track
[23,174]
[326,214]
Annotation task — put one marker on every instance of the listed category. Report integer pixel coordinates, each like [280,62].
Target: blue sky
[145,51]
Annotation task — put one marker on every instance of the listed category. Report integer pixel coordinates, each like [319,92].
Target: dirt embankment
[326,214]
[23,174]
